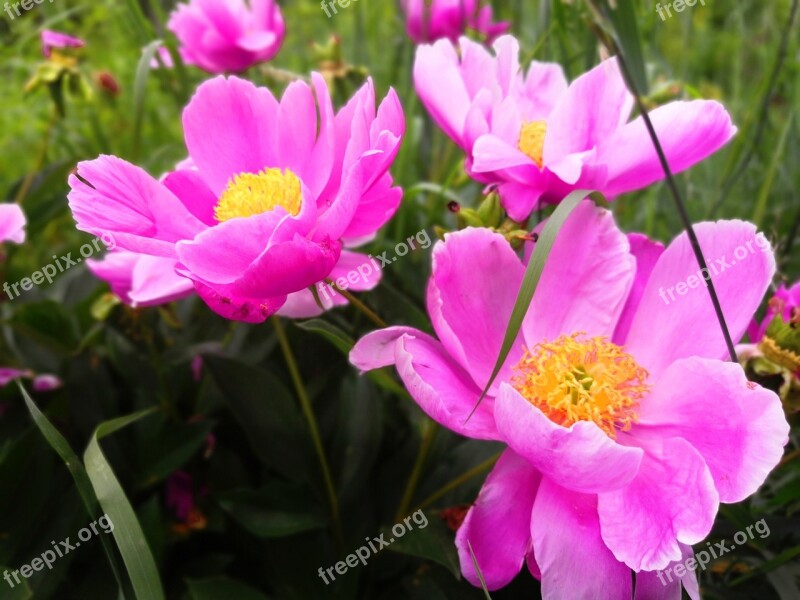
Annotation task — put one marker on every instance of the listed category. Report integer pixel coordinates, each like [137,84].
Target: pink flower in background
[785,302]
[539,138]
[41,383]
[141,280]
[55,39]
[12,223]
[430,20]
[227,36]
[625,427]
[268,198]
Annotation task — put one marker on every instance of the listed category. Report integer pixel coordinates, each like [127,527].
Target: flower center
[575,379]
[251,194]
[531,141]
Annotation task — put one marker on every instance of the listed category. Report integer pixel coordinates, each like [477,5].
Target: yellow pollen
[582,379]
[251,194]
[531,141]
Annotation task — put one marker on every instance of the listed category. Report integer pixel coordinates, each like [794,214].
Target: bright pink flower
[430,20]
[785,302]
[629,471]
[227,36]
[270,195]
[12,223]
[539,138]
[55,39]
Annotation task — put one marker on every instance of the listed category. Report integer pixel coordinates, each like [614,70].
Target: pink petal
[441,88]
[574,561]
[12,223]
[475,281]
[586,279]
[581,458]
[688,133]
[666,585]
[436,382]
[739,428]
[359,273]
[497,527]
[230,127]
[671,501]
[193,192]
[122,200]
[230,305]
[594,107]
[646,252]
[156,282]
[685,324]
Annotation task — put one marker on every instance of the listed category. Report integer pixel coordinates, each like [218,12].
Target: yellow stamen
[251,194]
[582,379]
[531,141]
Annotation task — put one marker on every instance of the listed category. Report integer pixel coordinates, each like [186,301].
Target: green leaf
[275,511]
[214,588]
[267,413]
[127,530]
[626,28]
[533,273]
[20,591]
[330,332]
[167,446]
[79,474]
[433,542]
[47,323]
[139,87]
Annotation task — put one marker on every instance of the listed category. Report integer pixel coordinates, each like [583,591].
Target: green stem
[28,181]
[368,312]
[413,479]
[463,478]
[308,412]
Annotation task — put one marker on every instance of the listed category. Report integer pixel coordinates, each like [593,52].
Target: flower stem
[413,480]
[308,412]
[463,478]
[368,312]
[27,182]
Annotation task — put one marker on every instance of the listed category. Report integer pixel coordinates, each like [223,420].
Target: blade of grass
[139,86]
[478,571]
[533,272]
[609,38]
[58,443]
[127,531]
[769,178]
[770,89]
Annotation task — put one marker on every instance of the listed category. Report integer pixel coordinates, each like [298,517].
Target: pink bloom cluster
[271,193]
[227,36]
[539,138]
[624,426]
[430,20]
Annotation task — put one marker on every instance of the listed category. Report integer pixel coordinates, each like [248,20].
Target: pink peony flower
[227,36]
[430,20]
[270,195]
[620,445]
[785,302]
[539,138]
[55,39]
[12,223]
